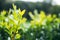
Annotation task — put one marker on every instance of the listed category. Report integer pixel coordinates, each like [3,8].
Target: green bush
[17,27]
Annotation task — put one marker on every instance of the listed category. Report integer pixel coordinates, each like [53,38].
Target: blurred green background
[31,6]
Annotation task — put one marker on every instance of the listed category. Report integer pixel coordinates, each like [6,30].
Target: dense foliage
[41,26]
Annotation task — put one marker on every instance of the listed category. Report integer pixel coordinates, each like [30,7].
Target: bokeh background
[48,6]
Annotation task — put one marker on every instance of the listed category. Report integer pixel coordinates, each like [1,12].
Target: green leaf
[18,36]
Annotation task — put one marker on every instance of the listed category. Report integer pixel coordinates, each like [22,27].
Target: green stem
[13,37]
